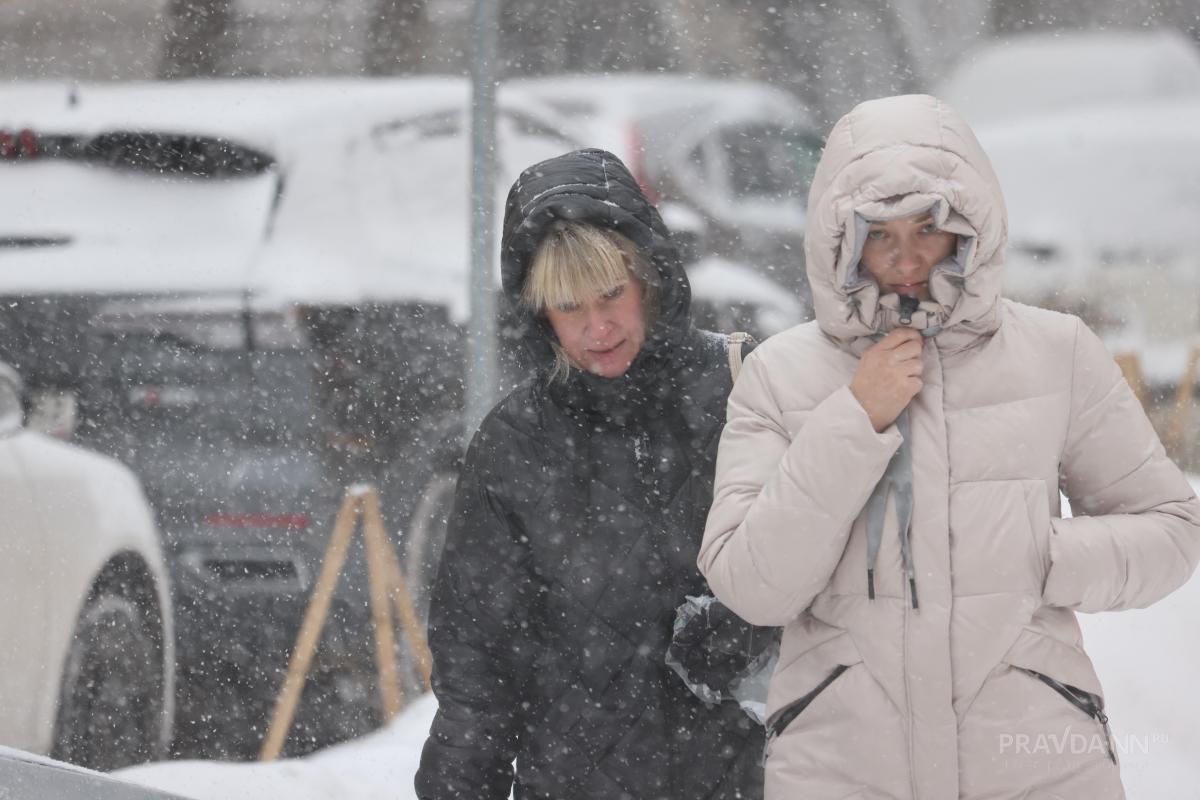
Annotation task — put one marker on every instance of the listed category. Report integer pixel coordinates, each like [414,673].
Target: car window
[766,161]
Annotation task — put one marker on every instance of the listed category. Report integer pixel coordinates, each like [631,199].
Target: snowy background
[1090,110]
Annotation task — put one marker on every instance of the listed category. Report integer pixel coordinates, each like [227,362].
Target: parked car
[1050,71]
[25,776]
[1102,205]
[728,162]
[254,294]
[86,665]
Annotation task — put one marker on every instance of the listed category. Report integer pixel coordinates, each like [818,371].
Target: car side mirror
[12,414]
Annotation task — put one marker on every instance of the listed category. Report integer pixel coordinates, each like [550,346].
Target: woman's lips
[607,351]
[911,289]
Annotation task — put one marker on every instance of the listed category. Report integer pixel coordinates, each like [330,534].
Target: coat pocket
[803,676]
[1086,702]
[785,716]
[1065,669]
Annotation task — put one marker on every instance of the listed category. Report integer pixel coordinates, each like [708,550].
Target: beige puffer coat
[978,686]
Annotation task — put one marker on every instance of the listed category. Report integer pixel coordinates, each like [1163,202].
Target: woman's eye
[876,234]
[930,228]
[568,308]
[615,292]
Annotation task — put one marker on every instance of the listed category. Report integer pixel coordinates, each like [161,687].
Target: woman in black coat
[577,519]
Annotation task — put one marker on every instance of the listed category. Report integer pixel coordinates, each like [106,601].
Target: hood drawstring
[898,476]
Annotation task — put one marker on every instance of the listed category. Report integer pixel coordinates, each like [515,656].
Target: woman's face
[900,253]
[604,333]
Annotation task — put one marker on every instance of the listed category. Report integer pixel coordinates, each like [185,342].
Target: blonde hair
[576,262]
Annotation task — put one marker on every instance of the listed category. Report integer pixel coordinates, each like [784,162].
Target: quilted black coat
[577,520]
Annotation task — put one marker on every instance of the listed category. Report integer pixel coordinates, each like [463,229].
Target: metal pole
[481,333]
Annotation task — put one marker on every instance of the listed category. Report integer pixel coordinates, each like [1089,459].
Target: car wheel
[426,537]
[110,710]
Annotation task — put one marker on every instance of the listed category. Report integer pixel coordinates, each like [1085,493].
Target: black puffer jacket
[577,520]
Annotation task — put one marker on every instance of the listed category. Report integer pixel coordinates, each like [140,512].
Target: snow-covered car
[1049,71]
[728,162]
[86,666]
[255,294]
[1103,204]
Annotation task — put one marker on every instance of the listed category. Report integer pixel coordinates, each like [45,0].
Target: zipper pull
[1102,718]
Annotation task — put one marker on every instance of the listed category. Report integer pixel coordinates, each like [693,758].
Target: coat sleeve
[477,617]
[1135,536]
[785,496]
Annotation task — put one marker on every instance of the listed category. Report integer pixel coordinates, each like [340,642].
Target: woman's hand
[889,376]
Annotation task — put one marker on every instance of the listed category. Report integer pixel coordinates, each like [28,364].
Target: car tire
[426,537]
[111,703]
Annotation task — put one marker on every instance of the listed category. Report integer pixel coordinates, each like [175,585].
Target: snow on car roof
[368,198]
[1043,71]
[264,113]
[636,94]
[1110,178]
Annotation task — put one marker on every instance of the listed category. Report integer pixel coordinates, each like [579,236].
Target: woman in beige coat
[888,490]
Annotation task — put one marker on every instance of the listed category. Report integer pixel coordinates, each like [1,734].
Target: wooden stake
[398,590]
[310,630]
[388,589]
[381,617]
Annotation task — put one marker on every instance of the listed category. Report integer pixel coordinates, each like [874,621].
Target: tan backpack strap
[736,340]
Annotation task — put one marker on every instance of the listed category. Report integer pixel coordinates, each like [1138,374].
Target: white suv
[86,668]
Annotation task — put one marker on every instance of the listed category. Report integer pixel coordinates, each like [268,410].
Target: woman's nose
[599,323]
[907,259]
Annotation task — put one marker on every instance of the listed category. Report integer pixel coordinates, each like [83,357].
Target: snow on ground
[379,765]
[1147,661]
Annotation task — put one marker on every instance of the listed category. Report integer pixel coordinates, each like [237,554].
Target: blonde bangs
[574,263]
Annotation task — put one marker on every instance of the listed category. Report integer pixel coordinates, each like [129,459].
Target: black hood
[593,186]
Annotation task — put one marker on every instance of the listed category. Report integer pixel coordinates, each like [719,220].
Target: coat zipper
[787,715]
[1086,702]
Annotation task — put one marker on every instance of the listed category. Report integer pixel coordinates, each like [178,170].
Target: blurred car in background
[728,162]
[1103,205]
[86,663]
[253,294]
[1051,71]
